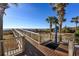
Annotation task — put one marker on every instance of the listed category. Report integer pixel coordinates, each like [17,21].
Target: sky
[33,15]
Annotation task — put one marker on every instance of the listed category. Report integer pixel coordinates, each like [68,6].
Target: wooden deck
[45,50]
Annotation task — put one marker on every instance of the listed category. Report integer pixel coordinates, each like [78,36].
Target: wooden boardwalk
[43,49]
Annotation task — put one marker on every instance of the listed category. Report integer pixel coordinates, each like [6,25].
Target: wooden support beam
[71,46]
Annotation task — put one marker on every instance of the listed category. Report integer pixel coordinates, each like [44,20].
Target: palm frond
[16,4]
[75,19]
[4,5]
[52,19]
[47,20]
[64,20]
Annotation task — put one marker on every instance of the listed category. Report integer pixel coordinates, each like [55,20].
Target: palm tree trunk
[50,31]
[60,28]
[1,36]
[55,33]
[60,31]
[60,18]
[1,33]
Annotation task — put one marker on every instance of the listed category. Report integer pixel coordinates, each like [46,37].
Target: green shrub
[66,30]
[77,36]
[77,33]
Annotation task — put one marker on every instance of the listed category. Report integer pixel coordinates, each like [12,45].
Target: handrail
[14,51]
[32,32]
[19,33]
[33,35]
[9,51]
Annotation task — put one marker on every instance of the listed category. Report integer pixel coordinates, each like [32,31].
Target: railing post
[71,46]
[23,43]
[39,40]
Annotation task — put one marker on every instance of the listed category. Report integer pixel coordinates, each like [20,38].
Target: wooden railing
[32,45]
[13,48]
[33,35]
[10,50]
[38,37]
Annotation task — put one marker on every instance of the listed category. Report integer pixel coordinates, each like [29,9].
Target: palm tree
[76,21]
[60,9]
[56,27]
[52,20]
[3,7]
[55,22]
